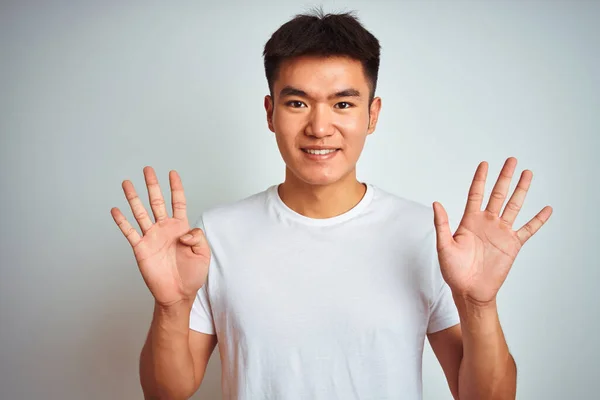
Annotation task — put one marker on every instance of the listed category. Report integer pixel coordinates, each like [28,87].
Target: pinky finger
[133,237]
[534,224]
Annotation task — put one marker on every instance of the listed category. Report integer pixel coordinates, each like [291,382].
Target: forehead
[321,74]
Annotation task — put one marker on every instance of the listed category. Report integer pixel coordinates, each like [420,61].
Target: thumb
[196,240]
[442,227]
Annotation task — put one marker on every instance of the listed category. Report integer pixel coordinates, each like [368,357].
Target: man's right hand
[172,258]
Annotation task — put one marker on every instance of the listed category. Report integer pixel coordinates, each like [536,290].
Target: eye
[295,104]
[344,105]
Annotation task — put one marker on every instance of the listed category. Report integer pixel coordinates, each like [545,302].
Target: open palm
[476,260]
[173,266]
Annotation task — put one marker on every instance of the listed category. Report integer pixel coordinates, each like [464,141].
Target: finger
[196,240]
[476,190]
[513,207]
[139,211]
[500,189]
[442,227]
[133,237]
[157,202]
[530,228]
[177,196]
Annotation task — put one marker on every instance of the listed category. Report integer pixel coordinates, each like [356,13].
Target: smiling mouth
[319,152]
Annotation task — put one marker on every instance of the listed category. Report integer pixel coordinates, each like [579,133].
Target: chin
[320,181]
[319,178]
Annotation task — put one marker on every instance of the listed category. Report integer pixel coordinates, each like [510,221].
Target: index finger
[534,224]
[177,196]
[476,190]
[133,237]
[157,202]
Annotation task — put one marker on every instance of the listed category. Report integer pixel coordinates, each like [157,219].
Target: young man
[324,287]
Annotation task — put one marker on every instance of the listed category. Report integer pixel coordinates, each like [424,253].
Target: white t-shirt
[322,309]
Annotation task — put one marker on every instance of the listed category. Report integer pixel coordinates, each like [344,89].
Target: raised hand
[475,261]
[172,259]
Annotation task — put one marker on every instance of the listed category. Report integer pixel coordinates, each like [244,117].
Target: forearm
[166,364]
[487,370]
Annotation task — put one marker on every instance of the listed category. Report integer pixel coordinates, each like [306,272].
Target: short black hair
[320,34]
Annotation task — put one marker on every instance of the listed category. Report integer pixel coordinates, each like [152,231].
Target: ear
[374,114]
[269,107]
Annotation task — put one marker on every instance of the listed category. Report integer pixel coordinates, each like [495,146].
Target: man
[324,287]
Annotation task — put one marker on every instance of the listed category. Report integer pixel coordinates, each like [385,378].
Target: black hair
[326,35]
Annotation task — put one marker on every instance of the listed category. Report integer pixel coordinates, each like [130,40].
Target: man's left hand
[476,260]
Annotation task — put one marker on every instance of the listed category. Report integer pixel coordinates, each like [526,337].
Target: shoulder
[235,213]
[410,231]
[402,212]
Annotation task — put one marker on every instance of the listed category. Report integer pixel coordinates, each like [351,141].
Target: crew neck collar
[286,211]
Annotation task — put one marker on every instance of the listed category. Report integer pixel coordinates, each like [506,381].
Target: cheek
[354,129]
[288,128]
[286,137]
[284,121]
[355,120]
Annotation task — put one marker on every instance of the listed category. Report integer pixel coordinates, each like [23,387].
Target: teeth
[319,152]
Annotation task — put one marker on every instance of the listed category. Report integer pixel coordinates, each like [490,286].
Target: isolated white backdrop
[91,92]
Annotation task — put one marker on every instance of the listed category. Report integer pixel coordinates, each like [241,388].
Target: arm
[474,357]
[487,370]
[475,262]
[174,358]
[173,261]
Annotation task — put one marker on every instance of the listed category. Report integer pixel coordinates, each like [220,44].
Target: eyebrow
[292,91]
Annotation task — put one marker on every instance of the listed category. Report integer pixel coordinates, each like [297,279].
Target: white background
[91,92]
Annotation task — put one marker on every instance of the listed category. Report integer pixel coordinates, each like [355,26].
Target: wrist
[475,315]
[173,310]
[468,304]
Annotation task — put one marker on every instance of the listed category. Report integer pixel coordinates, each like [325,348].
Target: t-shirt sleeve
[201,316]
[442,311]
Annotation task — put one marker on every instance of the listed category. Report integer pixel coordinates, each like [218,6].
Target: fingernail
[186,237]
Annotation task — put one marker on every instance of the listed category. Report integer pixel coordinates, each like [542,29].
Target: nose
[320,122]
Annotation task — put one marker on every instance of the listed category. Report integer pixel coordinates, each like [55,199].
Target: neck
[321,201]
